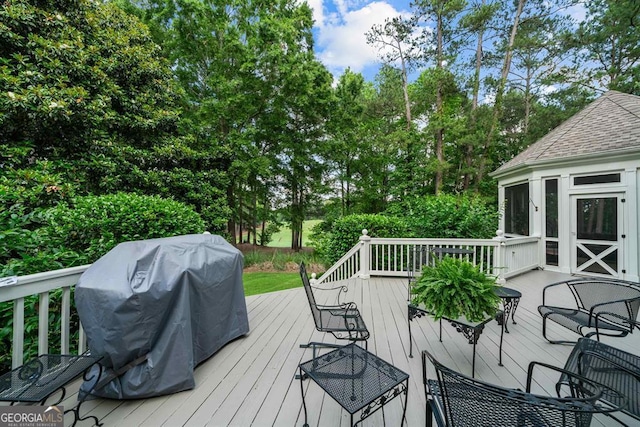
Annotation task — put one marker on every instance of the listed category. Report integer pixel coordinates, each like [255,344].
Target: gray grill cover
[177,299]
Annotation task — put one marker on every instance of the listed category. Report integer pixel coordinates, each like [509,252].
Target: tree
[607,47]
[475,23]
[88,96]
[345,133]
[441,52]
[395,43]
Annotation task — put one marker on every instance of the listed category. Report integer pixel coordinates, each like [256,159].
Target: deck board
[251,381]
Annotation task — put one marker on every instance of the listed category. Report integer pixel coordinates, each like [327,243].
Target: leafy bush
[77,234]
[448,216]
[25,195]
[93,225]
[347,230]
[444,216]
[453,287]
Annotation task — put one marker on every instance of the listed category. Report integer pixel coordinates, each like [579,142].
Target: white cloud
[341,27]
[578,12]
[318,12]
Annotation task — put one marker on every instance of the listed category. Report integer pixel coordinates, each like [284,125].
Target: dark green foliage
[447,216]
[24,197]
[453,288]
[75,234]
[90,105]
[265,236]
[443,216]
[347,230]
[93,225]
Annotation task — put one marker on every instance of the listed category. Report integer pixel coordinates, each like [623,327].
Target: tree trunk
[254,216]
[231,225]
[240,217]
[497,109]
[439,112]
[527,102]
[474,107]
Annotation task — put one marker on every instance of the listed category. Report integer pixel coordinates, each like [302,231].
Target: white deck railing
[41,285]
[503,257]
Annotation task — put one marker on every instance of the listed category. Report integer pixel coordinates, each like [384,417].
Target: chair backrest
[610,366]
[590,292]
[467,402]
[310,297]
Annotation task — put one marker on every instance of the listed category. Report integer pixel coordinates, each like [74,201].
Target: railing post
[365,254]
[499,262]
[313,280]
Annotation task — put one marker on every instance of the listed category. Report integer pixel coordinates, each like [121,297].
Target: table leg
[406,397]
[472,334]
[82,396]
[412,313]
[304,405]
[473,361]
[500,318]
[410,339]
[507,306]
[516,301]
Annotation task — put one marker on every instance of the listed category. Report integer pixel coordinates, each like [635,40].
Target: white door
[597,234]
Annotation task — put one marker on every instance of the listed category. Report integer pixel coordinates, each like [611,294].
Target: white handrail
[40,285]
[345,268]
[504,257]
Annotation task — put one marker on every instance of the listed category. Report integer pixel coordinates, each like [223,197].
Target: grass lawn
[282,239]
[260,282]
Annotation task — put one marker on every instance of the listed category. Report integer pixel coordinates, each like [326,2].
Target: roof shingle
[610,123]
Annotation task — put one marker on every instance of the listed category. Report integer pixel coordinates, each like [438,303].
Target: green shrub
[448,216]
[93,225]
[77,234]
[25,196]
[444,216]
[347,230]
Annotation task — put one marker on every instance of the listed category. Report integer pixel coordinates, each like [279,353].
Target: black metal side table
[357,379]
[510,300]
[45,375]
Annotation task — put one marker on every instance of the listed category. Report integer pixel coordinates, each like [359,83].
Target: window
[551,207]
[551,253]
[516,215]
[551,221]
[596,179]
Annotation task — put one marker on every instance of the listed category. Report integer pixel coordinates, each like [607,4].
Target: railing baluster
[43,323]
[65,321]
[82,341]
[17,356]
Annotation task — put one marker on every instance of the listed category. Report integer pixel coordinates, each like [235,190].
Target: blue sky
[340,27]
[339,32]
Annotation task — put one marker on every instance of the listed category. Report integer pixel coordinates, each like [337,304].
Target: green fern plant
[453,288]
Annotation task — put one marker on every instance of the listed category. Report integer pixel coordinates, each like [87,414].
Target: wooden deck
[251,380]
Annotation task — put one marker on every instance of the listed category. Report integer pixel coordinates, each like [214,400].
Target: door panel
[597,226]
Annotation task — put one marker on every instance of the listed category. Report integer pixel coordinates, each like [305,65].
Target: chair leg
[544,334]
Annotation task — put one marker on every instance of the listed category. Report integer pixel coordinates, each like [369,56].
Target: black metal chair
[454,399]
[417,258]
[602,307]
[610,366]
[342,320]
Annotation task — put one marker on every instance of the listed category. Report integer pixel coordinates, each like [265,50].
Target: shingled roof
[611,123]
